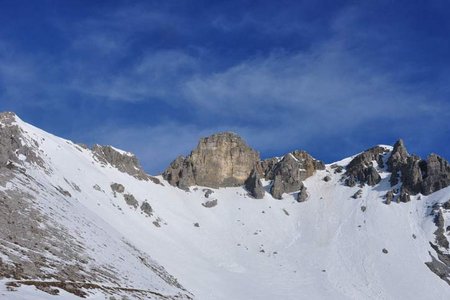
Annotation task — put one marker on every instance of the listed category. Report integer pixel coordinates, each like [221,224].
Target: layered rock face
[289,173]
[418,175]
[224,160]
[221,160]
[361,169]
[124,162]
[12,148]
[254,186]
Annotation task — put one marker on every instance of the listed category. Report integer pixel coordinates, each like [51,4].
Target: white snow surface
[324,248]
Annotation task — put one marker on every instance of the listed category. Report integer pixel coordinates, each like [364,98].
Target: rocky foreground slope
[220,223]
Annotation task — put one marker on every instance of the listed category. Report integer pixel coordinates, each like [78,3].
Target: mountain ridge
[328,233]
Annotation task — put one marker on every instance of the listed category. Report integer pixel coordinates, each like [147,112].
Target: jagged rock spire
[398,157]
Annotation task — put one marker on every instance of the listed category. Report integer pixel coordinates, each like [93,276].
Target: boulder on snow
[302,195]
[210,203]
[254,186]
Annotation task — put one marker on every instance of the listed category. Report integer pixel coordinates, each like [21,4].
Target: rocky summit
[89,223]
[225,160]
[220,160]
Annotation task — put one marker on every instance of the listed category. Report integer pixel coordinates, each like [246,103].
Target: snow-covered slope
[332,246]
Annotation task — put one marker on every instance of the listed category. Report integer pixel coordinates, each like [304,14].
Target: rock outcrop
[288,174]
[418,175]
[225,160]
[220,160]
[124,162]
[437,174]
[12,148]
[397,159]
[254,186]
[302,195]
[361,169]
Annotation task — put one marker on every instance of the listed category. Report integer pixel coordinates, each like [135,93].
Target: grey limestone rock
[446,205]
[254,186]
[357,195]
[418,175]
[288,174]
[208,192]
[404,196]
[398,156]
[412,174]
[12,146]
[267,166]
[117,188]
[124,162]
[361,168]
[389,197]
[302,195]
[439,221]
[131,200]
[146,208]
[210,203]
[437,174]
[220,160]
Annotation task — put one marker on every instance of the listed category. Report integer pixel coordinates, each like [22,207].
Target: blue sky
[152,77]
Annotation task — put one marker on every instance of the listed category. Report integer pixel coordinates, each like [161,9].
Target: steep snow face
[221,243]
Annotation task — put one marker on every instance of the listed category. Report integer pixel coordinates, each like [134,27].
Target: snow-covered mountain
[219,223]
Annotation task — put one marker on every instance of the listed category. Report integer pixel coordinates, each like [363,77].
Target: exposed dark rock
[288,177]
[309,163]
[221,160]
[326,178]
[361,169]
[267,166]
[412,174]
[146,208]
[417,175]
[437,174]
[130,200]
[124,162]
[363,208]
[440,265]
[446,205]
[196,225]
[117,188]
[404,196]
[302,195]
[357,195]
[389,197]
[372,176]
[208,192]
[288,174]
[12,148]
[337,168]
[210,203]
[441,239]
[398,156]
[254,186]
[63,191]
[385,251]
[350,181]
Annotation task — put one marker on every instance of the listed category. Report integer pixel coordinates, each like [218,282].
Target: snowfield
[330,247]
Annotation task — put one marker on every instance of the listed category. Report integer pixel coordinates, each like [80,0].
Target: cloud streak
[333,84]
